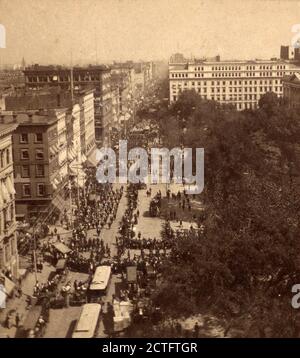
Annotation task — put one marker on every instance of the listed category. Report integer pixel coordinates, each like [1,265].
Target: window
[23,138]
[24,154]
[26,190]
[39,170]
[39,137]
[40,190]
[39,154]
[7,156]
[25,171]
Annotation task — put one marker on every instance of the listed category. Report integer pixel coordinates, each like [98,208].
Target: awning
[5,193]
[62,248]
[72,171]
[1,200]
[72,154]
[92,160]
[8,285]
[58,202]
[10,186]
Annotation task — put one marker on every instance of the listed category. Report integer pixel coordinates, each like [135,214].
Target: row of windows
[39,154]
[24,138]
[236,89]
[230,96]
[232,83]
[237,105]
[237,68]
[66,78]
[239,89]
[40,190]
[39,171]
[231,74]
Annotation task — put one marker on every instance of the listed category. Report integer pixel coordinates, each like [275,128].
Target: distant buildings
[9,262]
[289,53]
[11,79]
[177,58]
[76,79]
[240,83]
[50,146]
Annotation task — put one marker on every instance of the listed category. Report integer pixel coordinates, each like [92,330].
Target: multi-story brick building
[240,83]
[78,78]
[9,262]
[82,107]
[39,161]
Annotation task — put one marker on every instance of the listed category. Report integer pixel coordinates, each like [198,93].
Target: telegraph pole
[34,255]
[71,206]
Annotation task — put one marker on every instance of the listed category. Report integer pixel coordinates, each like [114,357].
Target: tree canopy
[248,259]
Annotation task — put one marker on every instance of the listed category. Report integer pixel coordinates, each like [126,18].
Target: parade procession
[149,174]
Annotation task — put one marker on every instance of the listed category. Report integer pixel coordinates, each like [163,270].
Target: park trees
[248,259]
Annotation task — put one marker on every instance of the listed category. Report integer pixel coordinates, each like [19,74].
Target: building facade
[39,162]
[291,90]
[81,105]
[76,79]
[9,262]
[239,83]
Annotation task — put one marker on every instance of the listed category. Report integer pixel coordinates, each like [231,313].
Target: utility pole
[34,254]
[71,206]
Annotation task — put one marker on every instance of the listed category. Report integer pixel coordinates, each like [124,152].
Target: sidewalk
[20,304]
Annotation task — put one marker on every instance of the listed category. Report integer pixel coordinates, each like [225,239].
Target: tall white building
[240,83]
[9,261]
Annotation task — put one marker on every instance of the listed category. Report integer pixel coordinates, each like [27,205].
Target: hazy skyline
[48,31]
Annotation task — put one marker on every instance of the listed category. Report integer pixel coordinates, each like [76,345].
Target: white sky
[46,31]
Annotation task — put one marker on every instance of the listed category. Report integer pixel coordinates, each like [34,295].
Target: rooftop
[7,128]
[55,68]
[29,117]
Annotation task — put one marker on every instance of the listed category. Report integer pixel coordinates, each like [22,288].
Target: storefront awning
[83,158]
[10,186]
[1,200]
[92,159]
[58,202]
[5,193]
[72,171]
[8,285]
[72,154]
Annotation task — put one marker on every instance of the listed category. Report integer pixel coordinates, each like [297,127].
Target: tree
[248,259]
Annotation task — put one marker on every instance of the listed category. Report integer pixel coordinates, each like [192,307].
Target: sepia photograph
[149,171]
